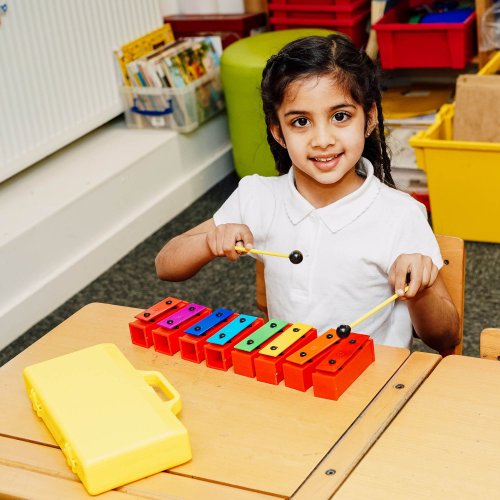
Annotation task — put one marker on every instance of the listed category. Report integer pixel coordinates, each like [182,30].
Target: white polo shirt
[348,247]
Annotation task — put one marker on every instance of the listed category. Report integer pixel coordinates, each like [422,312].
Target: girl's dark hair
[333,55]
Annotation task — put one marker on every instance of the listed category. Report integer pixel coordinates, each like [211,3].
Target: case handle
[136,109]
[156,379]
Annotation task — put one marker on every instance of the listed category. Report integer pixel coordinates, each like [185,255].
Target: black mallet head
[343,331]
[296,257]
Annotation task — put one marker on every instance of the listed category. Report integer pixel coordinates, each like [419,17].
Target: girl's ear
[278,136]
[372,120]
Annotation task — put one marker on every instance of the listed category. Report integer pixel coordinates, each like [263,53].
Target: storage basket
[182,109]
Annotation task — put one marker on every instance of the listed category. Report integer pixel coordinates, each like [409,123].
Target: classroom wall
[71,216]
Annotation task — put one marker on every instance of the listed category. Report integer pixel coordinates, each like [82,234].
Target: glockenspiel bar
[219,355]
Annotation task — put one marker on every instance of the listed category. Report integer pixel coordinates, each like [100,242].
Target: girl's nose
[323,137]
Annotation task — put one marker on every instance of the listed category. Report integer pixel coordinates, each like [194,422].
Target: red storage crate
[440,45]
[355,28]
[313,3]
[314,11]
[230,27]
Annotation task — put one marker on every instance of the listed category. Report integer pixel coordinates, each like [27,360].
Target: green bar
[258,337]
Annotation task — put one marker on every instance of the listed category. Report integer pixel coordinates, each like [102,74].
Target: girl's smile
[323,130]
[326,163]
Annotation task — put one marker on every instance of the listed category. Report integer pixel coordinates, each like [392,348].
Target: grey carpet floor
[132,281]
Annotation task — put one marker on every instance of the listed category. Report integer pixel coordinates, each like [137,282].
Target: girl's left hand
[415,270]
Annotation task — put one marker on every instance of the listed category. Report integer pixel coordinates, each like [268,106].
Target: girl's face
[324,132]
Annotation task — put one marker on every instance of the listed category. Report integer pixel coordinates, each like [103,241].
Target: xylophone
[270,351]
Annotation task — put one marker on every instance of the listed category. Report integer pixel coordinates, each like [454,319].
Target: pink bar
[177,318]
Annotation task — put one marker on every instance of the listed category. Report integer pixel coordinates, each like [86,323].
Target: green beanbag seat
[241,70]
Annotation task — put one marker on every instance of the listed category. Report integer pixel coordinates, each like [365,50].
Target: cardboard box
[477,108]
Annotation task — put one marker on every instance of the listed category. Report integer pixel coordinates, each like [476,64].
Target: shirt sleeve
[413,234]
[252,203]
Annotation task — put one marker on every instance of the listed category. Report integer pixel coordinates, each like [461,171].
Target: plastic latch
[68,452]
[37,406]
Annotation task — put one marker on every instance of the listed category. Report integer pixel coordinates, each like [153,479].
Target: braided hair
[353,70]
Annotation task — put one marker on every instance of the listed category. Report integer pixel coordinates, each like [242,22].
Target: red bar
[300,376]
[346,362]
[167,341]
[192,346]
[219,356]
[270,369]
[141,329]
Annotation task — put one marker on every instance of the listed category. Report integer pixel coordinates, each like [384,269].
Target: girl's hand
[222,239]
[415,270]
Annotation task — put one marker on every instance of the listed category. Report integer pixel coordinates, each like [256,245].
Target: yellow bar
[286,339]
[261,252]
[375,309]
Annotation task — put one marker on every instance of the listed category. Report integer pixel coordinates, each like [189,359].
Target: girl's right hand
[223,238]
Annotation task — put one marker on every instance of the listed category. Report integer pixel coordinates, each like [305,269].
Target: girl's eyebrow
[331,109]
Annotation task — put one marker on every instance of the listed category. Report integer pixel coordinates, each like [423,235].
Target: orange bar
[299,366]
[314,348]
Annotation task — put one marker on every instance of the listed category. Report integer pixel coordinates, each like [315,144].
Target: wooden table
[250,440]
[445,443]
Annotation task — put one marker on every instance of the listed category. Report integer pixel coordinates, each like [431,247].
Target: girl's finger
[415,282]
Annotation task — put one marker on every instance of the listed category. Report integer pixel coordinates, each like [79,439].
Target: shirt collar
[341,213]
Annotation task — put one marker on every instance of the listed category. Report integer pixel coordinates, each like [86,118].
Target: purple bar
[177,318]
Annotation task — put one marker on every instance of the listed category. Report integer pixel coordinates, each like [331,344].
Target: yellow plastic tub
[463,177]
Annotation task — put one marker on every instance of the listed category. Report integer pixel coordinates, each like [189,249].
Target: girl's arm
[434,317]
[432,311]
[184,255]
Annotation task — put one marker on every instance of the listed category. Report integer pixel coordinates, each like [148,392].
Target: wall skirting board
[71,216]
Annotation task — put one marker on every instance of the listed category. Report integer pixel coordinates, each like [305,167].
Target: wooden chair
[489,344]
[453,274]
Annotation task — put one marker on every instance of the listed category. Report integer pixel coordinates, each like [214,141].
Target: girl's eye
[341,116]
[301,122]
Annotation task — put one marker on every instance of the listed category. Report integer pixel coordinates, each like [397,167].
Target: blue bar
[233,328]
[218,316]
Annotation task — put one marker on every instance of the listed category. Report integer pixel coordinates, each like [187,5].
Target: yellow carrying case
[107,417]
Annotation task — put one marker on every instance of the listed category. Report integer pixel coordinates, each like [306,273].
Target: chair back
[452,273]
[489,344]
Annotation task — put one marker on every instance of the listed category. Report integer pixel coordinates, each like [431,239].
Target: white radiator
[57,71]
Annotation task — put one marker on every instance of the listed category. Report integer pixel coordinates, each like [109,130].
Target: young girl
[335,201]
